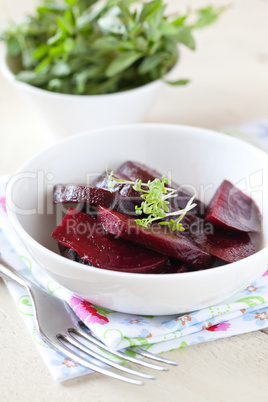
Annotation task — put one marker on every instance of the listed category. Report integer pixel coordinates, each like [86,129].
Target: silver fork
[59,326]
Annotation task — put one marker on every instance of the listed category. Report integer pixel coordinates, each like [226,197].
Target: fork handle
[9,273]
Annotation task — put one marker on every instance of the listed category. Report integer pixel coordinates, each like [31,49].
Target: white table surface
[229,73]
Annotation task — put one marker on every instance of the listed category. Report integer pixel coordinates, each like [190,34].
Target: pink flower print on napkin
[222,326]
[3,204]
[265,273]
[87,313]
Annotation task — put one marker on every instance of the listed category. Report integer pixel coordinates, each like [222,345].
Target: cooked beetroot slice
[74,193]
[128,196]
[178,266]
[228,247]
[135,170]
[232,209]
[89,240]
[71,193]
[125,190]
[156,237]
[172,265]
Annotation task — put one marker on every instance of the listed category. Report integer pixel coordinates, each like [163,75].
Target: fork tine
[152,356]
[59,345]
[75,342]
[122,355]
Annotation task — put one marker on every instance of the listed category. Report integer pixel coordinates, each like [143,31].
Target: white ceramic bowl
[69,114]
[194,156]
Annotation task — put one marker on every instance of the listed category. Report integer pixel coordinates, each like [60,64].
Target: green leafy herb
[155,204]
[90,47]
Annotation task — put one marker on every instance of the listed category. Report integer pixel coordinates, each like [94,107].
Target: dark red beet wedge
[89,240]
[172,266]
[125,190]
[227,246]
[128,196]
[231,209]
[136,170]
[72,193]
[156,237]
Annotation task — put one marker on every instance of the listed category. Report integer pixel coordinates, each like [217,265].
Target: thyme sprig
[155,204]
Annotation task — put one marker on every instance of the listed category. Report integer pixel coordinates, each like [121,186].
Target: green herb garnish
[155,195]
[95,47]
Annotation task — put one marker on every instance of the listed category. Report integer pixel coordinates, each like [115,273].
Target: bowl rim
[73,264]
[10,76]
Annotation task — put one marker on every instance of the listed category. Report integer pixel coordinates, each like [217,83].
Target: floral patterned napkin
[245,312]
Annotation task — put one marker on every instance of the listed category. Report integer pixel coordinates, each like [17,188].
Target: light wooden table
[229,75]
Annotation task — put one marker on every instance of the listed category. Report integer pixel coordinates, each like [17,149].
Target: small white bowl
[69,114]
[194,156]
